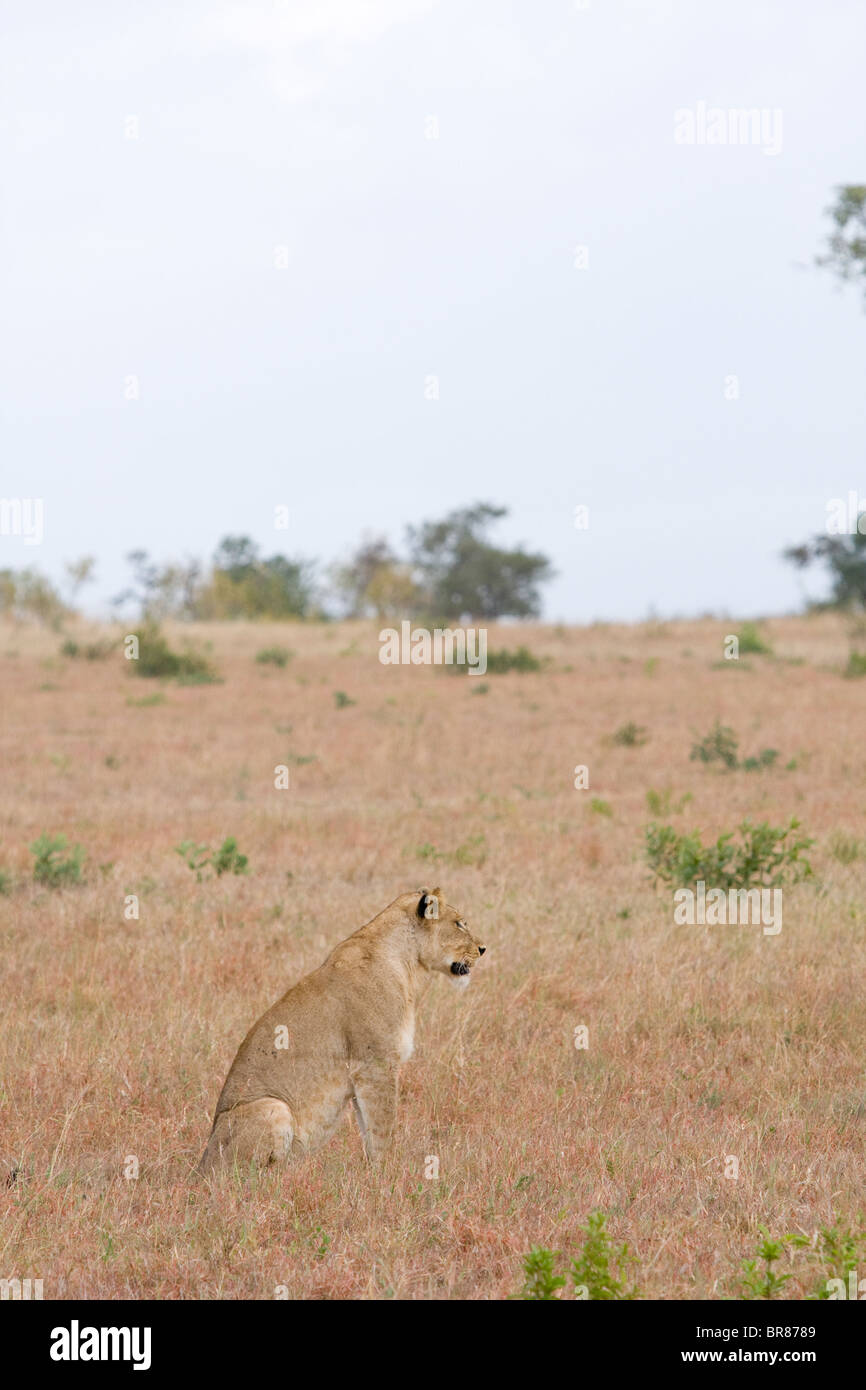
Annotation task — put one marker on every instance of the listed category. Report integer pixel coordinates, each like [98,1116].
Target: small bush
[719,745]
[596,1273]
[200,858]
[53,866]
[758,1282]
[601,808]
[91,651]
[751,642]
[591,1273]
[157,659]
[833,1254]
[540,1282]
[341,699]
[196,857]
[840,1252]
[766,758]
[274,656]
[765,858]
[5,882]
[856,665]
[662,803]
[227,860]
[630,735]
[501,661]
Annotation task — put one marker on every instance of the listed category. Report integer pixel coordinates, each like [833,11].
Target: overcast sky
[277,223]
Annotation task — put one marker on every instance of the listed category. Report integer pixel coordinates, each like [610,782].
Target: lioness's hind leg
[258,1132]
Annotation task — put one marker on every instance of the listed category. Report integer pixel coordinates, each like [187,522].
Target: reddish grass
[704,1042]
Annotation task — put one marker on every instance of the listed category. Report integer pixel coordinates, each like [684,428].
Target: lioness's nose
[481,950]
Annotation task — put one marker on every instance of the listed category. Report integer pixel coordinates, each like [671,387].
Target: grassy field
[704,1042]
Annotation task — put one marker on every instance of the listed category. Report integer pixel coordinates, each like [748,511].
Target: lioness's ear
[428,907]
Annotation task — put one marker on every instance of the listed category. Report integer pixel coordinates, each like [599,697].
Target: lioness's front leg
[375,1098]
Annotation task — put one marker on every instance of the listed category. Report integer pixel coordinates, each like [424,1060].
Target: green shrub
[856,665]
[840,1253]
[662,803]
[751,642]
[719,745]
[591,1271]
[596,1273]
[53,866]
[157,659]
[274,656]
[757,1282]
[540,1282]
[630,735]
[499,663]
[200,858]
[5,882]
[91,651]
[601,808]
[341,699]
[227,860]
[766,758]
[196,857]
[503,660]
[765,858]
[833,1253]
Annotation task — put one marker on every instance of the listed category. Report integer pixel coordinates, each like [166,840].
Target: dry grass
[704,1042]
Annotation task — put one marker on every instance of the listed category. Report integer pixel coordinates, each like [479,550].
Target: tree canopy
[844,556]
[462,574]
[846,244]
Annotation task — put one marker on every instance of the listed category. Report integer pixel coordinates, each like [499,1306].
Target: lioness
[340,1034]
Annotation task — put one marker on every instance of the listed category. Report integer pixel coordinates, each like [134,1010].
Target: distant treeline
[450,569]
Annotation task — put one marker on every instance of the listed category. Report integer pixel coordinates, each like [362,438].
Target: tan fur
[340,1034]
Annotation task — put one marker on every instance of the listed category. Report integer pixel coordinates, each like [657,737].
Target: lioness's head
[445,943]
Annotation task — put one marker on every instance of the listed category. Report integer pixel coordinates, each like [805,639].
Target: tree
[28,594]
[169,591]
[79,573]
[463,574]
[374,581]
[242,585]
[845,558]
[846,245]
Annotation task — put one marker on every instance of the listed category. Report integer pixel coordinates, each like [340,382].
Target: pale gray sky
[156,156]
